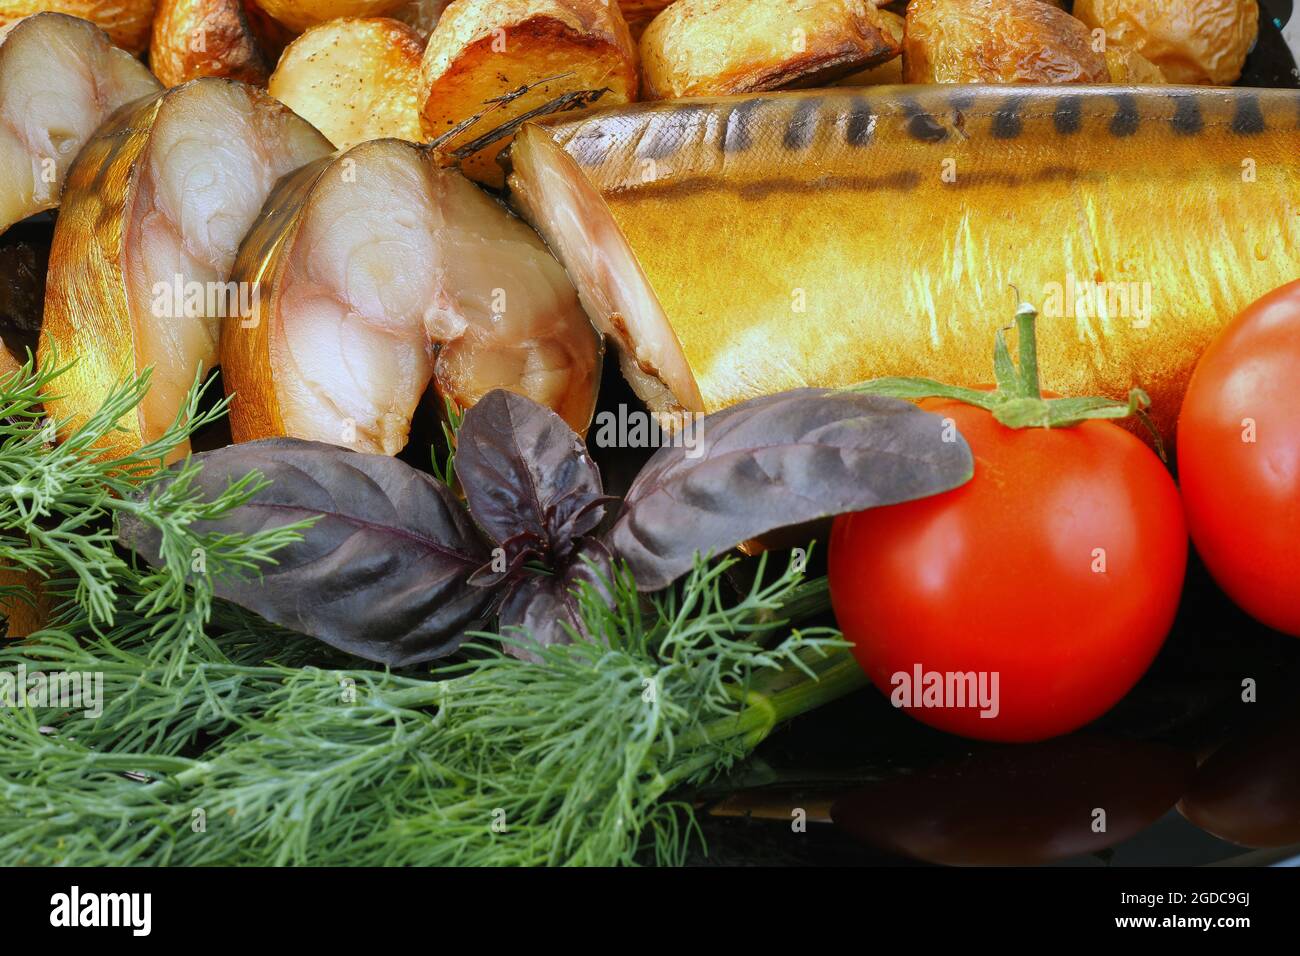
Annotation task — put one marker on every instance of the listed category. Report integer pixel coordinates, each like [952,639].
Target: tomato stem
[1018,401]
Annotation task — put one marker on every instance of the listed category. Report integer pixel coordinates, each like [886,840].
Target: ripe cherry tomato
[1239,459]
[1057,567]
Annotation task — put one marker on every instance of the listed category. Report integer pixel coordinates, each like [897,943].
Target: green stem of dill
[806,600]
[785,694]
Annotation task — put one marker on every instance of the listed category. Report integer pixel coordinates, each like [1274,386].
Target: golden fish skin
[159,197]
[739,246]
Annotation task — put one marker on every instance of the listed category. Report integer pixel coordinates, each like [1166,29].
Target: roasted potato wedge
[712,47]
[639,13]
[60,78]
[125,21]
[229,38]
[354,80]
[420,15]
[272,35]
[153,213]
[9,362]
[483,49]
[886,74]
[23,617]
[1192,41]
[891,70]
[1130,67]
[998,41]
[298,15]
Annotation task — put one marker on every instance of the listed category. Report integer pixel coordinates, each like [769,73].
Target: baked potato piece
[1192,41]
[125,21]
[354,80]
[998,41]
[23,616]
[1130,67]
[272,35]
[484,49]
[639,13]
[713,47]
[298,15]
[227,38]
[420,15]
[8,362]
[891,70]
[886,74]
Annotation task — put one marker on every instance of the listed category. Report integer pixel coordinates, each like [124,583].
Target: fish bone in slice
[60,78]
[379,273]
[153,213]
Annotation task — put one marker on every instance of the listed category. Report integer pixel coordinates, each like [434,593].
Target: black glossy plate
[1273,61]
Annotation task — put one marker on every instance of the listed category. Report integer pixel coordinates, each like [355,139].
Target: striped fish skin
[831,236]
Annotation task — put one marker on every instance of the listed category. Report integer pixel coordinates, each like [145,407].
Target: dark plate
[1273,61]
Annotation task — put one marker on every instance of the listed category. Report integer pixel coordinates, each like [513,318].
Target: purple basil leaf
[382,574]
[546,606]
[777,461]
[527,476]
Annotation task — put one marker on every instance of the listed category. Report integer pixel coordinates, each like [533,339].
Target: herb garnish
[227,739]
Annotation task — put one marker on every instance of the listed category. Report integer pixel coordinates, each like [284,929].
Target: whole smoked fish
[738,246]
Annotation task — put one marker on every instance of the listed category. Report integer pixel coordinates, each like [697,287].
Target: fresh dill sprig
[60,503]
[226,740]
[573,760]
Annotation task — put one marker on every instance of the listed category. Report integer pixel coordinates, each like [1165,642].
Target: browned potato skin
[1192,41]
[8,363]
[717,47]
[298,15]
[998,41]
[354,80]
[272,35]
[125,21]
[224,30]
[585,43]
[890,71]
[21,618]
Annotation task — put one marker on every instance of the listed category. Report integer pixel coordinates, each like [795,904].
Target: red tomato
[1239,459]
[1055,570]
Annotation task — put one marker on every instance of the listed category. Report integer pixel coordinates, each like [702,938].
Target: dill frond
[494,761]
[226,740]
[60,503]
